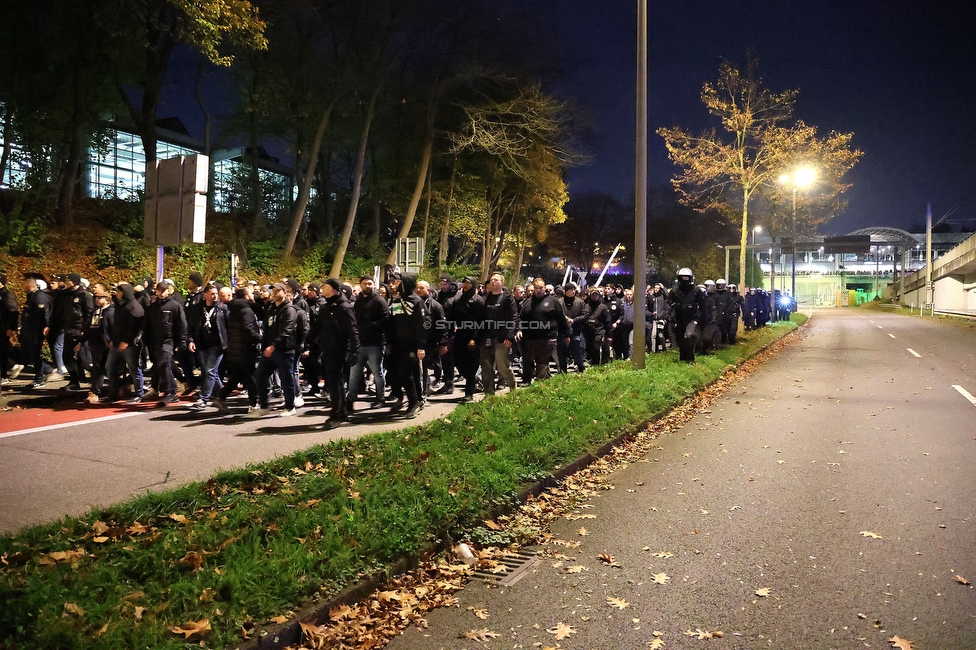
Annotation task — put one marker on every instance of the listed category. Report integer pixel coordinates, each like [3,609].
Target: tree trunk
[374,235]
[6,134]
[518,261]
[743,240]
[69,178]
[357,184]
[430,175]
[298,211]
[418,189]
[254,177]
[445,227]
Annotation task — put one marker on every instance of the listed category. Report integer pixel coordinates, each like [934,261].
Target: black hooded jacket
[243,332]
[129,322]
[409,318]
[338,336]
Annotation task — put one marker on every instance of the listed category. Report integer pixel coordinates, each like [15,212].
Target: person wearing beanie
[98,337]
[338,339]
[208,341]
[466,311]
[166,330]
[408,326]
[125,345]
[77,309]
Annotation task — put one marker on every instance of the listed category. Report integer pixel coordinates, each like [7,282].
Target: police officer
[687,309]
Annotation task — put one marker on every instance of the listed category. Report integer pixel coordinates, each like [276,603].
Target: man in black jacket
[541,322]
[125,343]
[497,334]
[167,334]
[34,322]
[437,338]
[278,354]
[77,307]
[98,336]
[465,313]
[407,340]
[243,339]
[372,319]
[338,338]
[208,341]
[595,329]
[577,313]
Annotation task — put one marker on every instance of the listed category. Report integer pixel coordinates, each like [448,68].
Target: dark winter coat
[372,319]
[208,326]
[543,318]
[36,314]
[280,325]
[76,310]
[465,313]
[408,317]
[338,335]
[243,332]
[129,322]
[501,317]
[167,323]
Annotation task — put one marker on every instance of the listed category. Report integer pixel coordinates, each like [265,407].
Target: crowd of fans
[392,345]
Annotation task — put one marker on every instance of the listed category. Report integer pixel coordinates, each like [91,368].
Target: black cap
[335,284]
[295,286]
[570,286]
[196,278]
[467,279]
[75,278]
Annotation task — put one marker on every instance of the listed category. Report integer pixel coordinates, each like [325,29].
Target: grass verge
[210,560]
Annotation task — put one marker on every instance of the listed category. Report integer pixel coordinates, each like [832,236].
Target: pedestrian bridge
[953,281]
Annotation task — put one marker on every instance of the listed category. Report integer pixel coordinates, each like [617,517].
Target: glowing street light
[801,178]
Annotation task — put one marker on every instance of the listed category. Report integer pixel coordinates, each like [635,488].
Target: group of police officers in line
[287,338]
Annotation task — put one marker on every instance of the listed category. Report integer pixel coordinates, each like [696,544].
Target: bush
[262,256]
[23,227]
[120,252]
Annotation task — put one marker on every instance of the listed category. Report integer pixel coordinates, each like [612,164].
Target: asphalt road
[841,478]
[65,465]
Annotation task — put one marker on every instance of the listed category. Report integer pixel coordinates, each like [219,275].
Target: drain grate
[516,565]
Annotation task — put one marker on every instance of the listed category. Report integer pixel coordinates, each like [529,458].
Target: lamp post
[755,254]
[801,178]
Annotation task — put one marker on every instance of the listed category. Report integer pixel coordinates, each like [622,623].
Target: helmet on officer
[685,277]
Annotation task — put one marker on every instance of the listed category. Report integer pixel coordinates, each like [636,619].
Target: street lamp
[801,178]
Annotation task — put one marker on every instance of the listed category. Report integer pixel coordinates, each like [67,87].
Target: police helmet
[720,282]
[709,283]
[686,273]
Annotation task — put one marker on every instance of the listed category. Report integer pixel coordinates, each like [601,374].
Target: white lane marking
[965,393]
[63,425]
[914,352]
[891,335]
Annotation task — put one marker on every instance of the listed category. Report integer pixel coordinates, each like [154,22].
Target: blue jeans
[282,363]
[113,367]
[57,351]
[371,355]
[210,366]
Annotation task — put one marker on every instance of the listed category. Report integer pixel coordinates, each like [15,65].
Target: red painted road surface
[52,409]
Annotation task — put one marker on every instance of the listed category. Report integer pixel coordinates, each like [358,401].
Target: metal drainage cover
[516,566]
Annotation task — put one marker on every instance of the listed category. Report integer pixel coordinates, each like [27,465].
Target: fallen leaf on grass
[492,525]
[900,643]
[71,608]
[561,631]
[281,618]
[484,635]
[180,519]
[661,578]
[868,533]
[194,628]
[619,603]
[762,593]
[962,580]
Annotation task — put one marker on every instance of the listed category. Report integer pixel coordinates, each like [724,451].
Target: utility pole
[640,185]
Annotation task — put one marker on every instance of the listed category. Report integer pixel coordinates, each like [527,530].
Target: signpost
[176,203]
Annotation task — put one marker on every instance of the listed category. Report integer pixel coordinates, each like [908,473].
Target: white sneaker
[55,376]
[299,401]
[15,371]
[287,413]
[257,412]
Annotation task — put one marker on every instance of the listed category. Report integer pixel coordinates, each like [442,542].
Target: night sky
[900,75]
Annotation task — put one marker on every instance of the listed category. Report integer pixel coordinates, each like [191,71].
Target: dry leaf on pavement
[619,603]
[582,532]
[579,568]
[661,578]
[484,635]
[962,580]
[868,533]
[701,634]
[655,644]
[607,559]
[561,631]
[763,592]
[480,613]
[900,643]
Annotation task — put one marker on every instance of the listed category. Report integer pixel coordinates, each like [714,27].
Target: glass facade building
[118,170]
